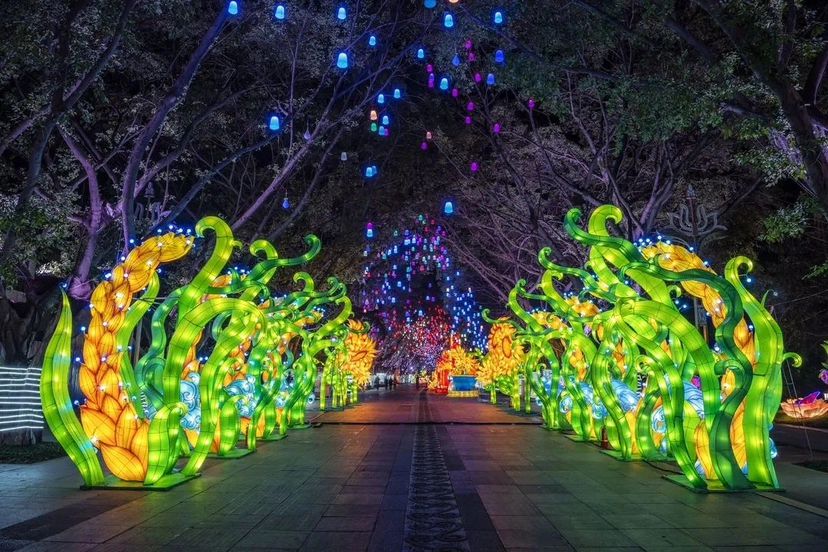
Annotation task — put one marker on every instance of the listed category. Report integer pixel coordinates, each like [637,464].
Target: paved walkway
[489,481]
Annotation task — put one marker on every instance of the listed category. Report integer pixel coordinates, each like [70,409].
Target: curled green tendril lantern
[215,374]
[620,360]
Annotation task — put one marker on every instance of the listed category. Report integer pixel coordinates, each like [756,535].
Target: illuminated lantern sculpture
[708,406]
[233,8]
[369,230]
[341,14]
[279,13]
[456,373]
[372,41]
[448,21]
[170,404]
[274,123]
[448,208]
[498,17]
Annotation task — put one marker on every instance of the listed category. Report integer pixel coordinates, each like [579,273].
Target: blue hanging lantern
[455,60]
[233,8]
[274,123]
[444,83]
[498,18]
[280,13]
[369,230]
[430,4]
[420,53]
[383,131]
[397,93]
[448,208]
[286,203]
[448,21]
[381,99]
[341,14]
[372,41]
[369,172]
[500,57]
[490,79]
[342,60]
[386,120]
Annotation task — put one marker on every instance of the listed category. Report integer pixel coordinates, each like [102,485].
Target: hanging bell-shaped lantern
[342,60]
[274,123]
[280,13]
[448,208]
[448,21]
[233,8]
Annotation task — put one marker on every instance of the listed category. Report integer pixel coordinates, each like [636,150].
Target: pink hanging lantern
[470,106]
[496,128]
[531,104]
[478,78]
[424,145]
[472,57]
[468,44]
[468,120]
[474,166]
[455,93]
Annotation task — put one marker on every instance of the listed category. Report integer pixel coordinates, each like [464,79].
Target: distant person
[387,382]
[376,382]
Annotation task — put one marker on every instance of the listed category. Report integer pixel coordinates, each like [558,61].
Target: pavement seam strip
[432,517]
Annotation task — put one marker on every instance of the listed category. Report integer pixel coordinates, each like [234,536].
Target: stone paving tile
[346,523]
[268,539]
[339,541]
[583,538]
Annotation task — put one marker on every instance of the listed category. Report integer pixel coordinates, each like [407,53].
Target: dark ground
[433,474]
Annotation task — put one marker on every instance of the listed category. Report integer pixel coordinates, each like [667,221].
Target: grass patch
[31,454]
